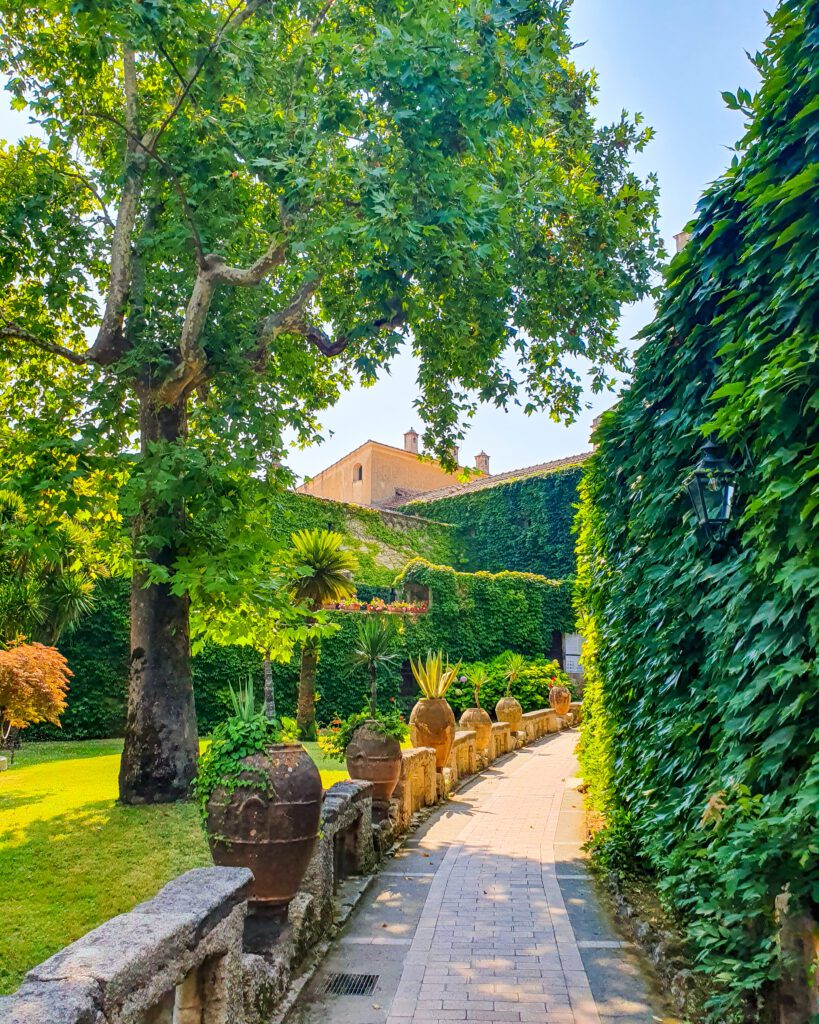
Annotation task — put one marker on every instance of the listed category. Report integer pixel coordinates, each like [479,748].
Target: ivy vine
[702,702]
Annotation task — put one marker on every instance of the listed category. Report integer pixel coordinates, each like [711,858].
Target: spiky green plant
[478,678]
[243,701]
[374,649]
[515,665]
[433,675]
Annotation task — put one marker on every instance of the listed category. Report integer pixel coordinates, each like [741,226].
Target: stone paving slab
[488,914]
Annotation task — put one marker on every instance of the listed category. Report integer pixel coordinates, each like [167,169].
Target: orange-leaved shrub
[33,685]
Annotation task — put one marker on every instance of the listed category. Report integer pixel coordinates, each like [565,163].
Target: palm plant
[478,678]
[325,574]
[374,649]
[433,675]
[515,664]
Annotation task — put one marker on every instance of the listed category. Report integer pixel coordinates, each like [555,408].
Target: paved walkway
[488,915]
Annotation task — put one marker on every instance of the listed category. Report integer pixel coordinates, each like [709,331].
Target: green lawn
[71,857]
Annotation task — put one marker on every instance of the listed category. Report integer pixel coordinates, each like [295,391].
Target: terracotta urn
[432,724]
[560,699]
[478,720]
[270,823]
[375,758]
[509,710]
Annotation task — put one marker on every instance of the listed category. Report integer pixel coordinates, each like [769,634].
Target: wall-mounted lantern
[711,487]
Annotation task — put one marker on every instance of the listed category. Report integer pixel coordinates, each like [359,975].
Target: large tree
[231,208]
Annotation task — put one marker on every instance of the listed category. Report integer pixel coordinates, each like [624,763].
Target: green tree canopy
[233,209]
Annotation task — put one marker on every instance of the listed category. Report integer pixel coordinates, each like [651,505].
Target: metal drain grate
[351,984]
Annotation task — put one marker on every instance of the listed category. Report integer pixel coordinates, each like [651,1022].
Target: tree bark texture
[306,710]
[161,743]
[269,688]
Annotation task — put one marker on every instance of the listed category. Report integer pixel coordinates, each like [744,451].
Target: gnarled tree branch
[109,342]
[12,330]
[292,320]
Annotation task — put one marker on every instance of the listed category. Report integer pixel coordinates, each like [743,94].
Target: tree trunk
[373,691]
[269,689]
[161,743]
[306,711]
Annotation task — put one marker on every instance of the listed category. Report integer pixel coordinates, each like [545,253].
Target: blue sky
[670,60]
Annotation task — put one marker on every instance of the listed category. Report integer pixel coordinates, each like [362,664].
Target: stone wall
[195,955]
[176,958]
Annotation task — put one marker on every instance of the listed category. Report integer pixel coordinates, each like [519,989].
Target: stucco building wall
[375,473]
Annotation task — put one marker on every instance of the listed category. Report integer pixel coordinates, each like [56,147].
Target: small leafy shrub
[334,740]
[33,686]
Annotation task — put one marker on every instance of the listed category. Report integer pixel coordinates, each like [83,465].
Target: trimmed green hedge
[524,525]
[702,702]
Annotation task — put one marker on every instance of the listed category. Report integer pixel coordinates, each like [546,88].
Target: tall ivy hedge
[524,525]
[471,617]
[474,616]
[702,692]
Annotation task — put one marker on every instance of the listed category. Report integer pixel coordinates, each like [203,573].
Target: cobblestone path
[488,915]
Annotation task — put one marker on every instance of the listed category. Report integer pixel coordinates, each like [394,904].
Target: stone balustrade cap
[463,736]
[69,1002]
[126,951]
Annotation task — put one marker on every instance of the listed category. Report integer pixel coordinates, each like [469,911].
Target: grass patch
[71,857]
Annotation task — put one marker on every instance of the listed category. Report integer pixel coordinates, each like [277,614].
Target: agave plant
[433,675]
[515,664]
[478,678]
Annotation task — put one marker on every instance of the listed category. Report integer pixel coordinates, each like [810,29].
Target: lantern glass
[711,488]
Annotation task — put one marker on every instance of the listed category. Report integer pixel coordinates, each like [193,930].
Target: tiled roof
[480,483]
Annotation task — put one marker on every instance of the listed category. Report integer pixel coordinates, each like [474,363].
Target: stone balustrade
[501,742]
[463,761]
[194,955]
[176,959]
[536,724]
[417,786]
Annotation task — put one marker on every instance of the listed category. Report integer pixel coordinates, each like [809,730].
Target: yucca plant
[374,649]
[325,574]
[433,675]
[515,664]
[243,701]
[478,678]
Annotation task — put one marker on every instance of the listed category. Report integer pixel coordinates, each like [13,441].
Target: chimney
[411,442]
[682,239]
[482,463]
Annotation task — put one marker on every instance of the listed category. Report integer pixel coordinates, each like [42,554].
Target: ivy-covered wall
[523,525]
[702,663]
[471,617]
[383,542]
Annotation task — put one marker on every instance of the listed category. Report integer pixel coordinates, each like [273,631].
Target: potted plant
[371,746]
[432,723]
[260,799]
[508,709]
[476,718]
[371,741]
[560,698]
